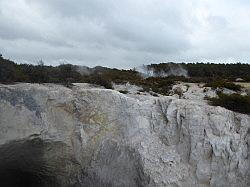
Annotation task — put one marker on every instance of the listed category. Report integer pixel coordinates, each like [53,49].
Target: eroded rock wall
[98,137]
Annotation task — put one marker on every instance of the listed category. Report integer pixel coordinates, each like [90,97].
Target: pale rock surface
[192,91]
[97,137]
[135,91]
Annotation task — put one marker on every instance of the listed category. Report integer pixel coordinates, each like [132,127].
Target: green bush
[234,102]
[160,85]
[99,80]
[247,78]
[118,76]
[223,84]
[8,71]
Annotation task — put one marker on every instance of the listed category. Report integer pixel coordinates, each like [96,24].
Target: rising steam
[168,69]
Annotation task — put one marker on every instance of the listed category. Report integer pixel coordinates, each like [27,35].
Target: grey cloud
[218,22]
[14,30]
[124,33]
[75,8]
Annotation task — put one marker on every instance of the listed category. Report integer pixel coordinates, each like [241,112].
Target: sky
[125,33]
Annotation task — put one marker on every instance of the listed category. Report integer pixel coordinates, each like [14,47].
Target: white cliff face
[98,137]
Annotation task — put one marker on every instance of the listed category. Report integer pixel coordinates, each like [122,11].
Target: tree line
[11,72]
[209,71]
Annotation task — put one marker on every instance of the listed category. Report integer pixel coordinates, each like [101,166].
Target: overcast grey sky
[125,33]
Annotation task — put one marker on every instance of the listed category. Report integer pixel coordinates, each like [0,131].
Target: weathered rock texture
[54,136]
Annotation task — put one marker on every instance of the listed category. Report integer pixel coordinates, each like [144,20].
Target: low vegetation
[223,84]
[206,72]
[98,80]
[234,102]
[66,74]
[161,85]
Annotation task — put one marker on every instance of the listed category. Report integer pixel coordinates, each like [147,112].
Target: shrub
[68,82]
[234,102]
[160,85]
[99,80]
[118,76]
[247,78]
[223,84]
[179,92]
[8,72]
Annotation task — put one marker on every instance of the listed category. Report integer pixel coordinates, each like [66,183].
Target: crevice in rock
[36,163]
[22,164]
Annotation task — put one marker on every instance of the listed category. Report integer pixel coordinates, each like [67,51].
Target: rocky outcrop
[54,136]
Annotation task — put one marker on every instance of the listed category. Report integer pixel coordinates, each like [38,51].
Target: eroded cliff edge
[57,136]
